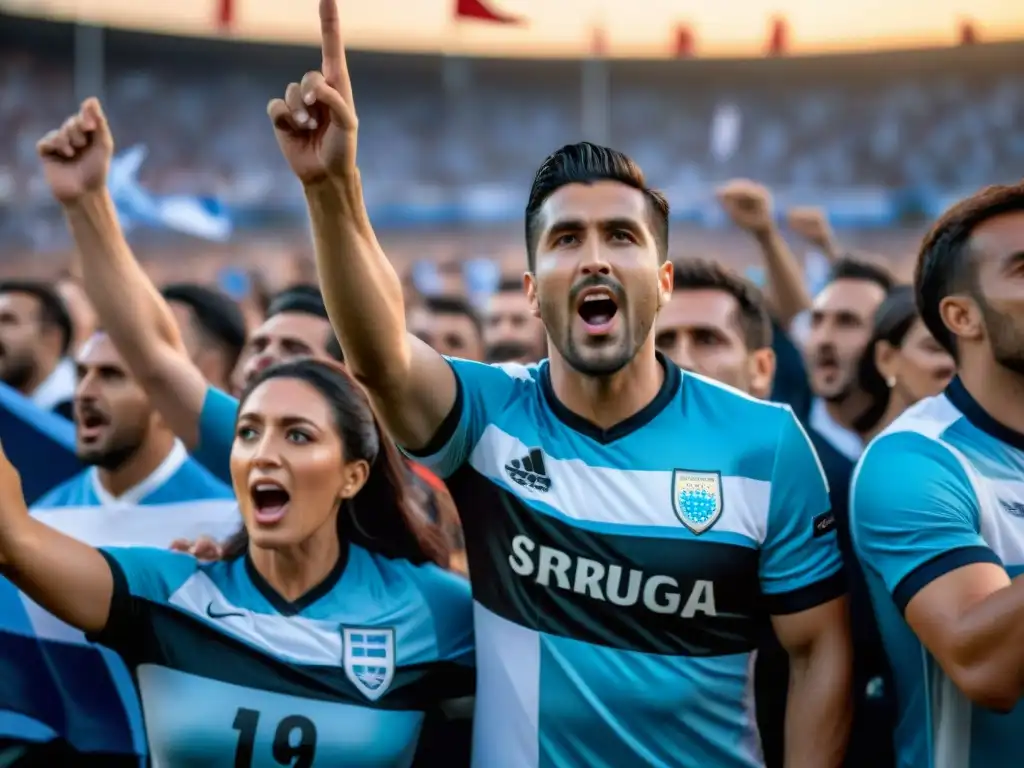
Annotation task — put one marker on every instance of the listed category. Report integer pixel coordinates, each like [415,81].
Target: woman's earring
[890,382]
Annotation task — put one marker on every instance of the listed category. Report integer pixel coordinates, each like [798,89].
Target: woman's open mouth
[269,501]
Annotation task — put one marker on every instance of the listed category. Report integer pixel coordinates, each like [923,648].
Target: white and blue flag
[55,684]
[202,217]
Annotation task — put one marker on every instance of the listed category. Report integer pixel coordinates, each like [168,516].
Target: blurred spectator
[212,329]
[35,337]
[511,332]
[716,324]
[841,323]
[296,326]
[902,363]
[449,325]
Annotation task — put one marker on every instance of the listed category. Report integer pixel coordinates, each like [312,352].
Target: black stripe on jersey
[925,574]
[143,632]
[449,426]
[808,597]
[638,593]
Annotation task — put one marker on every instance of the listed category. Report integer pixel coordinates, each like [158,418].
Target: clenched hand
[76,156]
[315,122]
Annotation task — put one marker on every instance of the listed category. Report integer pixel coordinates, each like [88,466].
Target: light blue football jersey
[231,674]
[623,577]
[53,683]
[217,433]
[941,488]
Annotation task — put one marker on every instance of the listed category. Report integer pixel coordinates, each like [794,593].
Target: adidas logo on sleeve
[529,471]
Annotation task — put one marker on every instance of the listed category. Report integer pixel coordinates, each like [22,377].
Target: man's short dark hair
[453,305]
[306,299]
[303,298]
[509,285]
[946,262]
[852,268]
[215,315]
[586,163]
[53,312]
[753,318]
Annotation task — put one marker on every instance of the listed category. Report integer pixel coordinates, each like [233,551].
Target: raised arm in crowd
[129,306]
[317,128]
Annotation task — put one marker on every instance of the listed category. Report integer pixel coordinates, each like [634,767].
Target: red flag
[968,33]
[598,43]
[778,39]
[480,11]
[684,42]
[225,13]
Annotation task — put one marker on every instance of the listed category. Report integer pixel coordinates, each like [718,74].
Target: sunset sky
[565,27]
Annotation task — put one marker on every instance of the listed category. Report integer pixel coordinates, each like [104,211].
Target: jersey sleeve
[482,391]
[914,515]
[451,602]
[449,599]
[143,577]
[801,566]
[217,433]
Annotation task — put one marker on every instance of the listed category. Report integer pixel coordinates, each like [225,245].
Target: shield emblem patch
[697,498]
[368,657]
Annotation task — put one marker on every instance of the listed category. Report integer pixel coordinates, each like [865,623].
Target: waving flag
[40,444]
[481,10]
[203,217]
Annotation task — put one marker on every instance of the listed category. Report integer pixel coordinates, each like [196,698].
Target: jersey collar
[641,418]
[294,607]
[958,395]
[174,460]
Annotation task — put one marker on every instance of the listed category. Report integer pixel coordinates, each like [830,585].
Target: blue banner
[40,444]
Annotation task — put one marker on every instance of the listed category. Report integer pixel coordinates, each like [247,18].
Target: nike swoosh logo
[221,615]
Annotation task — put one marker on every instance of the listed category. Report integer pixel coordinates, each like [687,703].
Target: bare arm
[820,665]
[785,278]
[68,578]
[316,127]
[411,384]
[972,621]
[812,224]
[127,303]
[749,205]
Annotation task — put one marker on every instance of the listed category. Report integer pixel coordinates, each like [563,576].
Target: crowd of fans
[876,123]
[239,530]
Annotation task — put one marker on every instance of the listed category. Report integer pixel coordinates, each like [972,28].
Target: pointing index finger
[334,67]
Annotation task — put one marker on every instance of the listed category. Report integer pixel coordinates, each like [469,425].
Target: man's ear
[530,286]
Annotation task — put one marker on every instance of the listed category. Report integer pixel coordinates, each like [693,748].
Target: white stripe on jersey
[147,525]
[617,496]
[292,638]
[155,525]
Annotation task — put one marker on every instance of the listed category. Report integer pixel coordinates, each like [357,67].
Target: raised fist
[315,122]
[811,224]
[748,204]
[76,157]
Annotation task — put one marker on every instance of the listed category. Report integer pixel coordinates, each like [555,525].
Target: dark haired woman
[328,633]
[901,364]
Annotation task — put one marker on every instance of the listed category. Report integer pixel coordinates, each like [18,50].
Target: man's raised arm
[316,126]
[76,158]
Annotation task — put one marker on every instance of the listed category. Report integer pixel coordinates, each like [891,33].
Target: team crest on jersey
[697,498]
[368,656]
